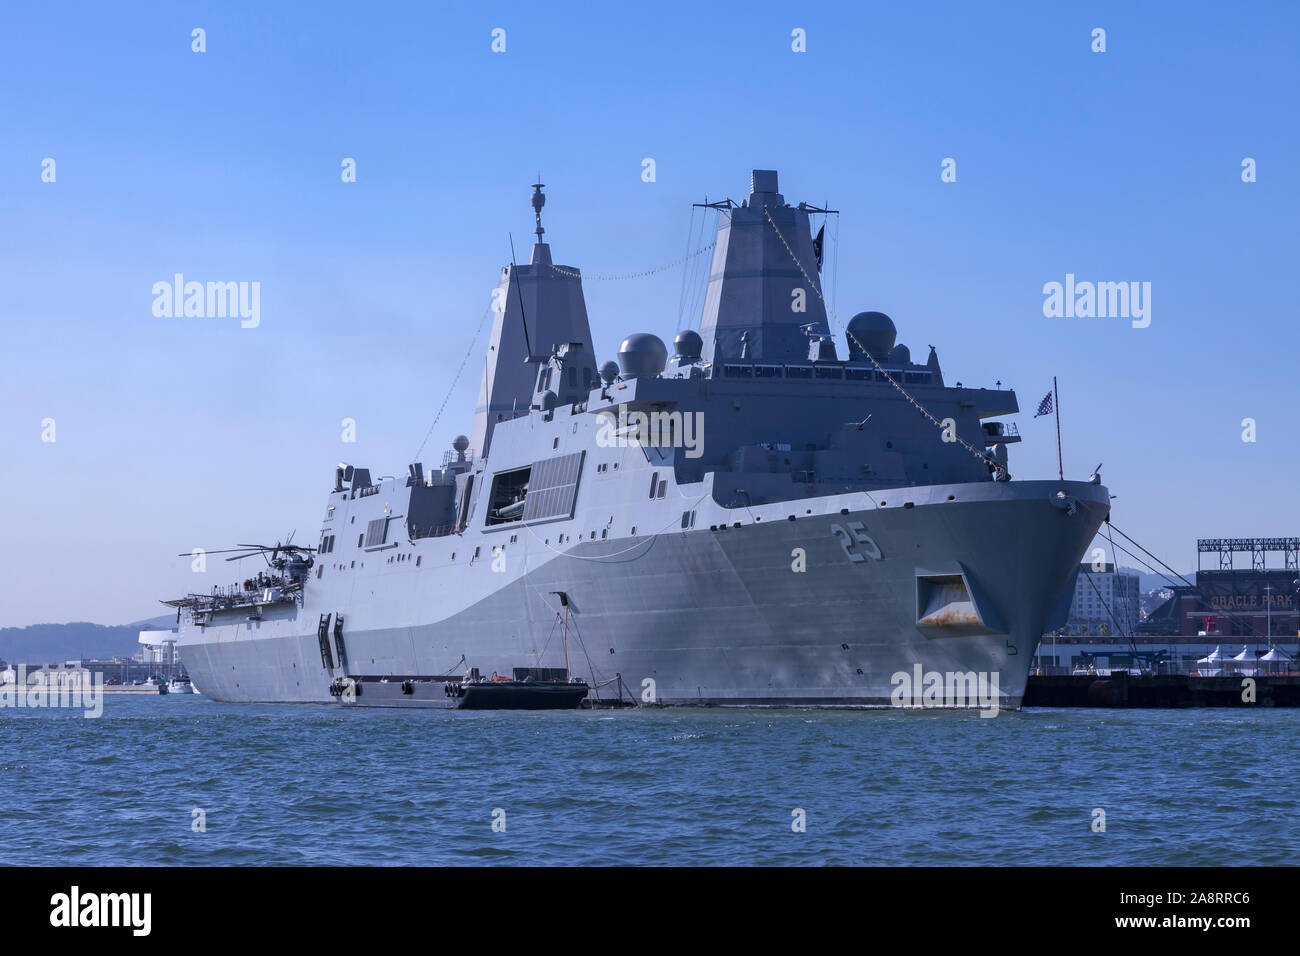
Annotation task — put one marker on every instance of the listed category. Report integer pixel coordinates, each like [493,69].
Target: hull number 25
[857,544]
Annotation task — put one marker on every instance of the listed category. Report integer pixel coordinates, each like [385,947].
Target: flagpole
[1056,404]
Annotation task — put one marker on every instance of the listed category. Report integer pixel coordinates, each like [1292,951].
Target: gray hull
[757,521]
[714,615]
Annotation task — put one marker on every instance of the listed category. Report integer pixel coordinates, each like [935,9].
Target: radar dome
[642,355]
[688,346]
[460,443]
[901,355]
[609,372]
[872,331]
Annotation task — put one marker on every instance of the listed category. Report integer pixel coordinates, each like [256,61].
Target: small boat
[180,685]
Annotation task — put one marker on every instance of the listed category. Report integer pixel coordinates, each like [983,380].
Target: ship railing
[415,532]
[825,371]
[236,595]
[449,457]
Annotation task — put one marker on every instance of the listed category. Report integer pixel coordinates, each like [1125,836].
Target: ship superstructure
[767,516]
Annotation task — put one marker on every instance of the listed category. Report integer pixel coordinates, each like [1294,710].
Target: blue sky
[225,165]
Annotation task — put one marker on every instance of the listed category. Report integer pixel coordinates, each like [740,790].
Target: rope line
[1155,559]
[1111,615]
[697,275]
[573,273]
[456,378]
[835,275]
[681,296]
[982,456]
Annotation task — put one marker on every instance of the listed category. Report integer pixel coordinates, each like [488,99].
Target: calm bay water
[300,784]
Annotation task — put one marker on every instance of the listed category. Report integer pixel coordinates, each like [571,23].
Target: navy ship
[758,518]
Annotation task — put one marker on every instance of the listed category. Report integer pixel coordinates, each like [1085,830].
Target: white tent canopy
[1212,658]
[1245,655]
[1276,654]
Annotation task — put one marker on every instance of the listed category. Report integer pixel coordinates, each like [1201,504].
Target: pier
[1124,689]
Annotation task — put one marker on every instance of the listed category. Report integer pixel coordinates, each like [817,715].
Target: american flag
[1045,406]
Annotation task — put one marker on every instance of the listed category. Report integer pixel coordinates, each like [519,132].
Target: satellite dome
[460,443]
[901,355]
[609,372]
[872,331]
[688,346]
[642,355]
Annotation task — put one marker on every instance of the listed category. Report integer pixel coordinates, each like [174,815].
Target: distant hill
[49,643]
[1150,582]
